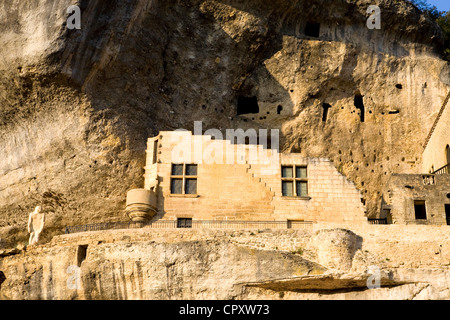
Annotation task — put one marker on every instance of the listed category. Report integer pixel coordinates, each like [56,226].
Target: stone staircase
[441,112]
[257,177]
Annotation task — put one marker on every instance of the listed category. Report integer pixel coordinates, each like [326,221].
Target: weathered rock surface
[76,106]
[208,264]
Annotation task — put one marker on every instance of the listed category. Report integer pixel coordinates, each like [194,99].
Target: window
[312,29]
[294,181]
[447,156]
[447,213]
[155,152]
[183,179]
[184,223]
[420,210]
[247,105]
[81,254]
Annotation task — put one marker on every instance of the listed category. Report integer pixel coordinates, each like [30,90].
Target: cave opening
[359,104]
[2,278]
[325,107]
[81,254]
[312,29]
[247,105]
[279,109]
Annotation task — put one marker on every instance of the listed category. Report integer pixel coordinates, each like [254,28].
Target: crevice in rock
[312,29]
[2,279]
[359,104]
[325,107]
[247,105]
[81,254]
[279,109]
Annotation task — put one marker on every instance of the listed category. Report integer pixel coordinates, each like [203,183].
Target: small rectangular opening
[155,152]
[292,224]
[184,223]
[81,254]
[447,213]
[247,105]
[420,210]
[312,29]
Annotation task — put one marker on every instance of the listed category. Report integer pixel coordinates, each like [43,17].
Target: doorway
[447,213]
[420,210]
[447,155]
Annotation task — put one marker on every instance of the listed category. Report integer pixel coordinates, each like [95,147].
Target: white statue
[35,225]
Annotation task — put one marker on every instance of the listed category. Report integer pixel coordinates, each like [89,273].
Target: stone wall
[249,186]
[435,153]
[403,189]
[247,264]
[396,245]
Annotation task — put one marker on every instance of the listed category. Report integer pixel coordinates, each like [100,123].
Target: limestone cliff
[374,262]
[76,106]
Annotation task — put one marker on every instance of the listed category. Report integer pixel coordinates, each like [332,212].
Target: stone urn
[141,205]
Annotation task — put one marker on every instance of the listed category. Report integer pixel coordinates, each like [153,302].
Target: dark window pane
[300,172]
[176,186]
[177,169]
[155,151]
[288,188]
[312,29]
[302,189]
[420,210]
[191,186]
[184,223]
[287,172]
[191,169]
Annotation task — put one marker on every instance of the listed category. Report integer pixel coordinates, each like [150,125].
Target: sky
[443,5]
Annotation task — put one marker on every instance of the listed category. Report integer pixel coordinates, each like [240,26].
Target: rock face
[402,262]
[76,106]
[335,249]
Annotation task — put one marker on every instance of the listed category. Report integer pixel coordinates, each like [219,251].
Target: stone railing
[445,169]
[195,224]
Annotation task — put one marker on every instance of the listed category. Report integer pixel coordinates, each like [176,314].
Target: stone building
[424,198]
[194,177]
[418,199]
[200,178]
[436,155]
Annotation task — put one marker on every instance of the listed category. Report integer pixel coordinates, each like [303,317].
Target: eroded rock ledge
[208,264]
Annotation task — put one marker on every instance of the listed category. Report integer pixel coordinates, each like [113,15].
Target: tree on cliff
[443,20]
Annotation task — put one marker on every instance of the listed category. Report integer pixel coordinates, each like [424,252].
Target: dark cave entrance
[247,105]
[279,109]
[359,104]
[325,107]
[81,254]
[312,29]
[420,210]
[2,278]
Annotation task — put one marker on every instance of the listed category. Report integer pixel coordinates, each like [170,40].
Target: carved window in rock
[184,223]
[294,181]
[420,210]
[183,179]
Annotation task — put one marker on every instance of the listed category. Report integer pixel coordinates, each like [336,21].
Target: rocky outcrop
[208,264]
[76,106]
